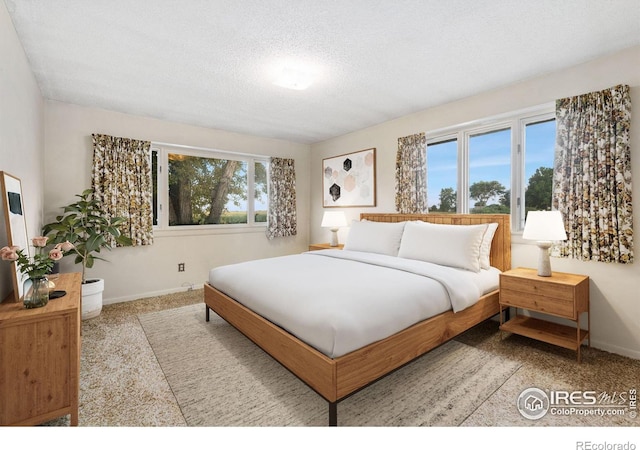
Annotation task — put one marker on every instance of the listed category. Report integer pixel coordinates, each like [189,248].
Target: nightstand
[562,295]
[325,246]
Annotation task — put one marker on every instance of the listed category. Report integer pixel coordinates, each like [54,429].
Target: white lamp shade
[544,226]
[334,219]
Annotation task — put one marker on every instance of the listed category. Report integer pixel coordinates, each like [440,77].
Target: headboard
[500,247]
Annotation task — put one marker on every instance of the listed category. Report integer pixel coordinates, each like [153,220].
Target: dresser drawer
[563,307]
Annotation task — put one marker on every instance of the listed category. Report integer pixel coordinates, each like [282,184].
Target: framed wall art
[15,224]
[349,180]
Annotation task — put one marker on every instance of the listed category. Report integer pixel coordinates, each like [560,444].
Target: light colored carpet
[122,384]
[220,378]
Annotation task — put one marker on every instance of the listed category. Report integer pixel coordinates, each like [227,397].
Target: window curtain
[121,181]
[411,174]
[592,176]
[282,217]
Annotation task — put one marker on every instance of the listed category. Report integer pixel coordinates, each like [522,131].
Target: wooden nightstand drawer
[563,307]
[535,287]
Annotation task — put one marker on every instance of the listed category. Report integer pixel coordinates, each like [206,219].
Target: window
[497,165]
[442,175]
[490,172]
[260,206]
[538,164]
[197,187]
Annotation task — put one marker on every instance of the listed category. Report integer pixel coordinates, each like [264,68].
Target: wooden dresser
[40,357]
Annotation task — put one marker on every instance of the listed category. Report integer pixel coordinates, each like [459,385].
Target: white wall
[21,134]
[143,271]
[615,305]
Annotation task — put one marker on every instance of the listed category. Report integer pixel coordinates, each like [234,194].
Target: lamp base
[544,264]
[334,237]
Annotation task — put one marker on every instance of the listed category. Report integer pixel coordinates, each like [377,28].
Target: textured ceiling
[212,62]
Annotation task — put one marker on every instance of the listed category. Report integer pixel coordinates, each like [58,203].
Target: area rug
[221,378]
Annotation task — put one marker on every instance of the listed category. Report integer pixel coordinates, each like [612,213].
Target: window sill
[516,238]
[208,231]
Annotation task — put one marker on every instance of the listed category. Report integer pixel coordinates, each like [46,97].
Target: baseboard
[623,351]
[129,298]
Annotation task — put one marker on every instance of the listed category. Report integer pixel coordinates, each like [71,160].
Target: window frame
[515,121]
[163,150]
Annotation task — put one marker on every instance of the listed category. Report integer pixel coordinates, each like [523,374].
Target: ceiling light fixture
[293,78]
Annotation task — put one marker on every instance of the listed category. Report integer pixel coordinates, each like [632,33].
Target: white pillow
[448,245]
[485,247]
[375,237]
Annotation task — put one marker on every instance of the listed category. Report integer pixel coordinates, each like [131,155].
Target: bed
[336,370]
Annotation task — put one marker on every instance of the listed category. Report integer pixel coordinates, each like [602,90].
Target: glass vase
[36,292]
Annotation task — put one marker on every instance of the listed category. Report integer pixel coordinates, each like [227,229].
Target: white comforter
[339,301]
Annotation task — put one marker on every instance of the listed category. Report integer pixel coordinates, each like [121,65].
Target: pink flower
[9,253]
[65,246]
[55,254]
[39,241]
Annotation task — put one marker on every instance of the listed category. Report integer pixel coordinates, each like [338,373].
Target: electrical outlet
[180,267]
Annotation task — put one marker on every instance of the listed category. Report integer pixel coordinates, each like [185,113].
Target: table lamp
[544,227]
[334,220]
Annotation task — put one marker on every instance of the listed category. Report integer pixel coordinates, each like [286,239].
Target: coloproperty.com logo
[534,403]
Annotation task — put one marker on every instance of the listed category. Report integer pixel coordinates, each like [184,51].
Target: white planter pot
[92,298]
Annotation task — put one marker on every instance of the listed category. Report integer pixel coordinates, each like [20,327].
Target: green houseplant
[84,224]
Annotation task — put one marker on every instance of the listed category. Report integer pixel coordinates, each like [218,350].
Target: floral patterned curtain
[121,180]
[282,217]
[592,175]
[411,174]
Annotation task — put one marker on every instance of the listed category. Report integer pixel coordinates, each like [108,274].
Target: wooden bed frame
[336,379]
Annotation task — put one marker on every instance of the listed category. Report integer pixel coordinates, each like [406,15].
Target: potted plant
[84,224]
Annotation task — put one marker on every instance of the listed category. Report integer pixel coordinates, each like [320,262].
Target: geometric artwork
[349,180]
